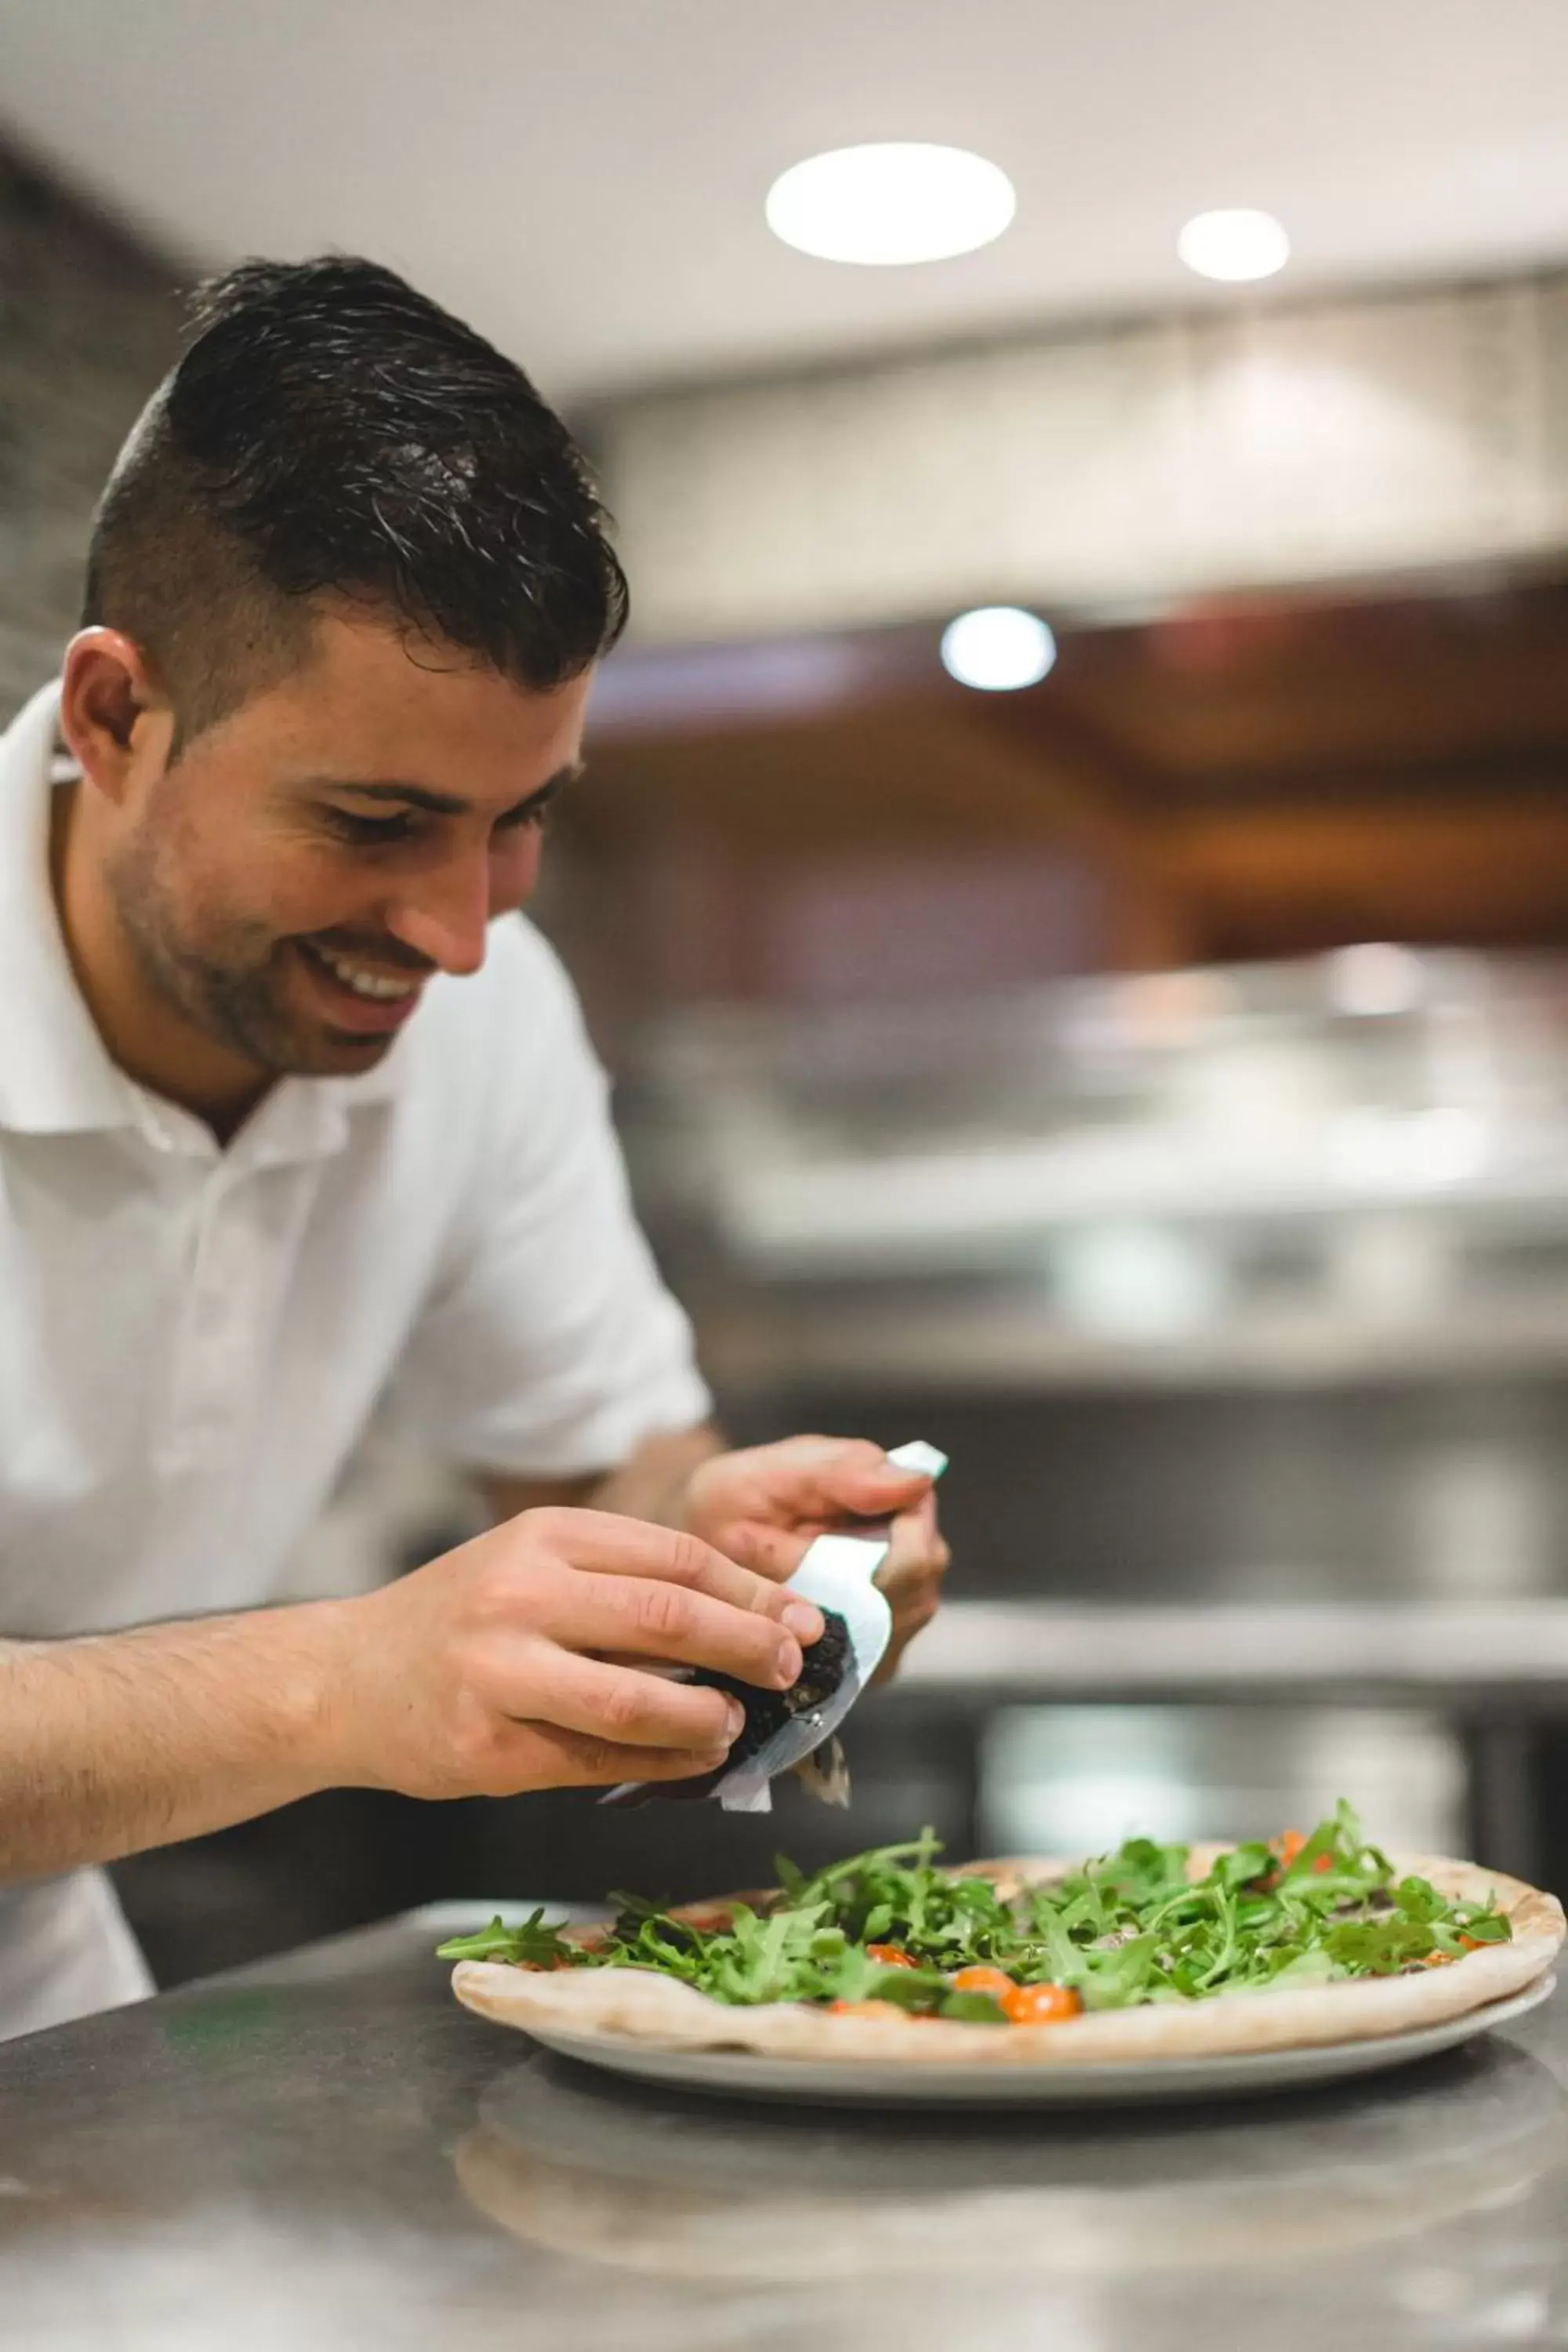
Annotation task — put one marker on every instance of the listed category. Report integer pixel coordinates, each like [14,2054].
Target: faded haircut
[330,434]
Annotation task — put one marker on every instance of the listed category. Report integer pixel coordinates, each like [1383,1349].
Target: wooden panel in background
[1265,778]
[1285,881]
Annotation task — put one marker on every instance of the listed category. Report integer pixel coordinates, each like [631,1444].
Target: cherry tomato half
[890,1956]
[1040,2004]
[980,1979]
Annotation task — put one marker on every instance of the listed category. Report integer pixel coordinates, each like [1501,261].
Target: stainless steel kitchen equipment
[1241,1298]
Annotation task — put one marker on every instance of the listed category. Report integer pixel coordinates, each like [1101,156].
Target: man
[290,1121]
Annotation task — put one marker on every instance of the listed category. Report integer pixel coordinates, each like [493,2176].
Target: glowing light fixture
[998,647]
[1234,246]
[891,204]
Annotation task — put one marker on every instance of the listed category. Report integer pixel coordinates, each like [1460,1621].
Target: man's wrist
[318,1719]
[655,1484]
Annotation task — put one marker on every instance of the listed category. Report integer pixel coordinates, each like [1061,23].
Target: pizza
[1153,1951]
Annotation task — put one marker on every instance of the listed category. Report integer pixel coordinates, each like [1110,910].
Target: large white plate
[738,2074]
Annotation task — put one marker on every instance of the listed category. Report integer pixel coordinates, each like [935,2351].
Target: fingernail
[790,1663]
[803,1620]
[734,1722]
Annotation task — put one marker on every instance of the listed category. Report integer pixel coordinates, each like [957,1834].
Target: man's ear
[114,715]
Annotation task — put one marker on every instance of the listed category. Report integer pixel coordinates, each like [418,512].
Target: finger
[833,1475]
[918,1558]
[624,1708]
[803,1479]
[542,1755]
[915,1546]
[640,1615]
[606,1545]
[825,1478]
[914,1604]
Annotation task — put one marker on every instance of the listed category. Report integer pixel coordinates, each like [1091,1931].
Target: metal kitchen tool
[837,1574]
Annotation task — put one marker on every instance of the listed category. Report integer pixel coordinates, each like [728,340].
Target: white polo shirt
[192,1339]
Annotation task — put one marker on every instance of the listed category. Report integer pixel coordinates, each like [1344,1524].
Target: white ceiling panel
[585,182]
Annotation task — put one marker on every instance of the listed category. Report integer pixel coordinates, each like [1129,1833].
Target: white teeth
[366,983]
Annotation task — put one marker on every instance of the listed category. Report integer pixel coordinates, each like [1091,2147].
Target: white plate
[738,2074]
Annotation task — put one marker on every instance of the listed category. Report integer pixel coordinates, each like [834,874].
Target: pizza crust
[659,2011]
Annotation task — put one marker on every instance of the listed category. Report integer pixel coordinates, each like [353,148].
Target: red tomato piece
[890,1956]
[1040,2004]
[981,1979]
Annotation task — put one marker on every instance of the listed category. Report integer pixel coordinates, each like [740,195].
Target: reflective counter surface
[323,2150]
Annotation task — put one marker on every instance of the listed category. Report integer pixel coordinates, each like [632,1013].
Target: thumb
[874,1489]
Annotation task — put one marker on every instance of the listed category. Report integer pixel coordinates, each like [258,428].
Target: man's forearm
[122,1741]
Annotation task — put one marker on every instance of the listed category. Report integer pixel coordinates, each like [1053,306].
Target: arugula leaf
[531,1946]
[1483,1926]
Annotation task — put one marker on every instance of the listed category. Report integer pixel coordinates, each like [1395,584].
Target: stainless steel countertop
[324,2151]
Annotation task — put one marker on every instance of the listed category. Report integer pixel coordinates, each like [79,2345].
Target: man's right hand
[502,1666]
[518,1662]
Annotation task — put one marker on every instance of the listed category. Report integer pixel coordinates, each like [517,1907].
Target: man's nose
[444,916]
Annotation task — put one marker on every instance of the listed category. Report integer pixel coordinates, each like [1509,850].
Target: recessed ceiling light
[998,648]
[895,203]
[1234,245]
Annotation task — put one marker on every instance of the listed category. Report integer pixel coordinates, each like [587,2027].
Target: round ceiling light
[1234,246]
[891,204]
[998,647]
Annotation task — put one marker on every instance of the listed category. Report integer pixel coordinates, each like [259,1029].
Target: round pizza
[1153,1951]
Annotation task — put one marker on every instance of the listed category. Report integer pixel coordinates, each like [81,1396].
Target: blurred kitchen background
[1123,1038]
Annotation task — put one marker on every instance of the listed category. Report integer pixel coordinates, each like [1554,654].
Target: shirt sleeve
[550,1346]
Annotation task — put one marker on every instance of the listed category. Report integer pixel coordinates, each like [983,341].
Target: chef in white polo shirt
[296,1113]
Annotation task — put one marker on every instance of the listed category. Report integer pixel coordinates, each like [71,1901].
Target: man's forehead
[376,707]
[348,652]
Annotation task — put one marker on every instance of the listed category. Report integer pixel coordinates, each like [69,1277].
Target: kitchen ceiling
[586,182]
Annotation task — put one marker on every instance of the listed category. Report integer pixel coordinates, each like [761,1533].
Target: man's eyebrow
[420,796]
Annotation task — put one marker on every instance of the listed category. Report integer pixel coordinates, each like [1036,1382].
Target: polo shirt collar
[56,1077]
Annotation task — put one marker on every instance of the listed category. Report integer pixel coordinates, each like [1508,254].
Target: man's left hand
[763,1506]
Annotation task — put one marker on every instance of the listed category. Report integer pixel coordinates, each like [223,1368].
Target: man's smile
[361,998]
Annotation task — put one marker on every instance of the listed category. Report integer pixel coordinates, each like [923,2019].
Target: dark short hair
[330,432]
